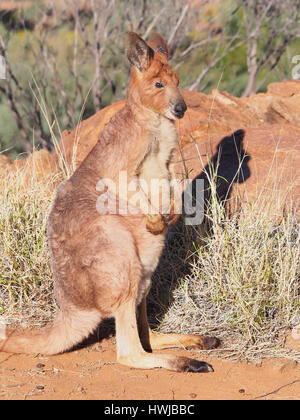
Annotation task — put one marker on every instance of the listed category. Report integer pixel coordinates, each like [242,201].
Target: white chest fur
[163,141]
[154,169]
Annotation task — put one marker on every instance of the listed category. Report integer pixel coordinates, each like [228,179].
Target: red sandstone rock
[265,149]
[256,165]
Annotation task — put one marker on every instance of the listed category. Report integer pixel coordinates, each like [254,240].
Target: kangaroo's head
[153,84]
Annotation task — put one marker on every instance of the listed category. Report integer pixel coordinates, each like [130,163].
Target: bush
[26,289]
[243,285]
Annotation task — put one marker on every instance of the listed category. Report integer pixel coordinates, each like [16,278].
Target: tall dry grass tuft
[243,286]
[26,281]
[26,293]
[241,278]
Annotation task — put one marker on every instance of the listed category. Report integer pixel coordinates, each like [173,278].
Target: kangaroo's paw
[155,223]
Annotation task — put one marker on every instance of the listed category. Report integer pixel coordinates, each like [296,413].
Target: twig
[180,19]
[278,389]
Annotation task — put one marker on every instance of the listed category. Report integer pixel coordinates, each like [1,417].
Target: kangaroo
[103,263]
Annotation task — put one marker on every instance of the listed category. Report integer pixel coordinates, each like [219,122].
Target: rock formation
[254,142]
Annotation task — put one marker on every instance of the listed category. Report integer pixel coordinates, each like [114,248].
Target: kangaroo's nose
[180,108]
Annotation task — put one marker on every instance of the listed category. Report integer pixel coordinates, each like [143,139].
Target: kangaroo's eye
[159,85]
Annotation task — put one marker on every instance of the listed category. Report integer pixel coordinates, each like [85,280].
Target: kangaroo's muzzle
[179,109]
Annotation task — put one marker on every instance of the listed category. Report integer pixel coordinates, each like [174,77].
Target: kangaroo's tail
[69,328]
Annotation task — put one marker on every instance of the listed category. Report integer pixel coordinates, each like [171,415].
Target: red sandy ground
[91,373]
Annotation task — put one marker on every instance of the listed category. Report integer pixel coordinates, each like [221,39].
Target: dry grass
[242,286]
[26,281]
[239,280]
[26,292]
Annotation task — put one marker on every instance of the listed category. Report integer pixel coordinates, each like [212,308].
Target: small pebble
[40,365]
[40,387]
[241,391]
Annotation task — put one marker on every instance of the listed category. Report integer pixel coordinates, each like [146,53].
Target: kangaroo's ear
[138,52]
[159,45]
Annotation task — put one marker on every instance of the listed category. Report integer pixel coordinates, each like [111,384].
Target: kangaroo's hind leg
[130,351]
[117,275]
[156,341]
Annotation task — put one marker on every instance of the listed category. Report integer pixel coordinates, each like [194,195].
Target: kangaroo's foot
[131,353]
[188,341]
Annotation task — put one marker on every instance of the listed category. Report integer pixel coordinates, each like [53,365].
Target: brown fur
[102,263]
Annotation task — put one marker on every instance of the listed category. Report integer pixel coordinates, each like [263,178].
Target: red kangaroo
[103,263]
